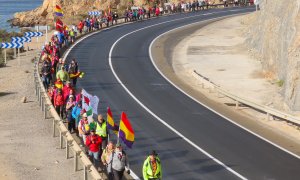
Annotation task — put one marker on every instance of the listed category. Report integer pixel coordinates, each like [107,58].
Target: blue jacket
[76,112]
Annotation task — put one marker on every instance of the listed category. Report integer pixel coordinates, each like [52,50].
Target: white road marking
[283,149]
[83,38]
[154,115]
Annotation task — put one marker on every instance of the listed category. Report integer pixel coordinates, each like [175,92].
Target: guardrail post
[42,103]
[61,142]
[38,92]
[86,168]
[76,160]
[54,123]
[36,85]
[84,172]
[67,148]
[40,97]
[45,111]
[34,78]
[236,104]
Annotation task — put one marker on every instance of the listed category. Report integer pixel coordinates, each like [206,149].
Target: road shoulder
[216,50]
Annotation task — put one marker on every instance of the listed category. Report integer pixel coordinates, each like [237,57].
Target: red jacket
[66,92]
[80,25]
[58,100]
[93,142]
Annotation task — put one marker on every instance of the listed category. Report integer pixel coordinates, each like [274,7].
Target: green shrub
[280,83]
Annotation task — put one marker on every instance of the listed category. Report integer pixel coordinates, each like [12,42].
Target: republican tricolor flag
[58,11]
[110,121]
[126,132]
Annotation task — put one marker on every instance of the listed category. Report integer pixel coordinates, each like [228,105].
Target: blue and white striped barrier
[11,45]
[33,34]
[20,39]
[94,13]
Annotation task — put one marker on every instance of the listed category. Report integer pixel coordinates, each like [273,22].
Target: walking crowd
[60,78]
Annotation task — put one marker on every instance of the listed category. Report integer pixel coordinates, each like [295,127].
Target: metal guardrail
[65,138]
[205,82]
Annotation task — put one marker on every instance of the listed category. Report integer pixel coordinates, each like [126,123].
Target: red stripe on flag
[58,7]
[126,122]
[109,112]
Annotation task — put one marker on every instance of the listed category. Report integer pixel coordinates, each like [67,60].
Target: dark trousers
[46,81]
[59,110]
[74,81]
[110,176]
[117,174]
[71,124]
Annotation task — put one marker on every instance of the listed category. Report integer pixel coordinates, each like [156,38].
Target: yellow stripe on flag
[129,135]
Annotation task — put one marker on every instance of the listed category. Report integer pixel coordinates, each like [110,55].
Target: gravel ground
[218,53]
[28,150]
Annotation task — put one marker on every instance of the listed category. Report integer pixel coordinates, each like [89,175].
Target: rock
[36,169]
[56,162]
[24,99]
[276,39]
[45,13]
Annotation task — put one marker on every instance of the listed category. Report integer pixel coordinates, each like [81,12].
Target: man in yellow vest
[101,130]
[152,167]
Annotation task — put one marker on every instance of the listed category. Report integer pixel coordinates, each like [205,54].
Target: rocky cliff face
[71,8]
[77,9]
[274,36]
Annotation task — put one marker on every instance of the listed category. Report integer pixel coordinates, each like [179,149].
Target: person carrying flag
[117,162]
[63,75]
[152,167]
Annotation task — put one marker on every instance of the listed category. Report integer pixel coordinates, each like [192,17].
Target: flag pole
[119,131]
[107,125]
[118,141]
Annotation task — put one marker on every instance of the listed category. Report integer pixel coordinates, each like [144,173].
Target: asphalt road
[239,150]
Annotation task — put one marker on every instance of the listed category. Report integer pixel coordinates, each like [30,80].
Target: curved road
[244,155]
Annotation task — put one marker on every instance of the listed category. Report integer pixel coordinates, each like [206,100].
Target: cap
[118,145]
[71,96]
[93,130]
[153,152]
[68,82]
[84,115]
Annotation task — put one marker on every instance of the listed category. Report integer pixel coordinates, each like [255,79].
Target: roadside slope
[217,52]
[28,150]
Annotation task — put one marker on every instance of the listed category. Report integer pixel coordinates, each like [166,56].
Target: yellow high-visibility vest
[101,129]
[147,169]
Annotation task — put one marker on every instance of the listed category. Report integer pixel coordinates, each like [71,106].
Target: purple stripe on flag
[114,128]
[123,137]
[58,14]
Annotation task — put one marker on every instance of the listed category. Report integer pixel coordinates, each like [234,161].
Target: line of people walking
[60,80]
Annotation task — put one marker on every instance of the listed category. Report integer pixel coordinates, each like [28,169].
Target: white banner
[89,101]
